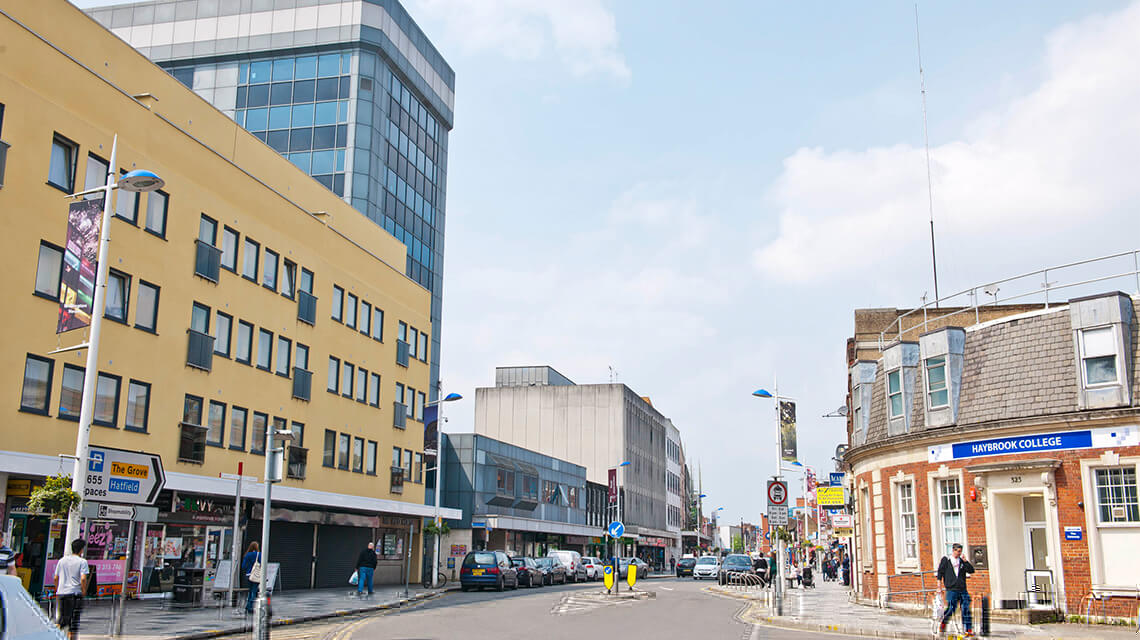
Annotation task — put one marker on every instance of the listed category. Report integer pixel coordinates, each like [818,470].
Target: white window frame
[937,534]
[867,531]
[1086,356]
[1094,473]
[1093,525]
[902,398]
[902,560]
[858,437]
[945,381]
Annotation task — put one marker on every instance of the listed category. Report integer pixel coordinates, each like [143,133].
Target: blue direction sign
[616,529]
[835,479]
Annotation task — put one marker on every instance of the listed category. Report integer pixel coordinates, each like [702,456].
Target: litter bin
[188,589]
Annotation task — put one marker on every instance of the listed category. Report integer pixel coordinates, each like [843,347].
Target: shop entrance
[1038,577]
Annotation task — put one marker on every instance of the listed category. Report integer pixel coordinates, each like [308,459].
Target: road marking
[667,588]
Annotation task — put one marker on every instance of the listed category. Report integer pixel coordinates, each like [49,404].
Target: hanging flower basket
[55,497]
[431,530]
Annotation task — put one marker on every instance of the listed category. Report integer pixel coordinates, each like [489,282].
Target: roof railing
[967,299]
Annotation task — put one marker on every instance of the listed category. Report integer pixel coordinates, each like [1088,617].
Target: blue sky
[701,198]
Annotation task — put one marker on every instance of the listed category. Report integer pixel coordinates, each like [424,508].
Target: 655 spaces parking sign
[123,477]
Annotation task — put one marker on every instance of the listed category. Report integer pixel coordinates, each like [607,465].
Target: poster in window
[77,281]
[172,548]
[788,430]
[389,544]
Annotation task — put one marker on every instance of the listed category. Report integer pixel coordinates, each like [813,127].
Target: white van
[572,560]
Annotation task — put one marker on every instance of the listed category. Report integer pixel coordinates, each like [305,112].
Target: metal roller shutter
[291,545]
[337,549]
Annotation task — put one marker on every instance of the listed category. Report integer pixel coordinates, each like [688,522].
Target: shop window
[1116,495]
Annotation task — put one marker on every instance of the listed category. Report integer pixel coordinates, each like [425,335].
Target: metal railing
[966,300]
[1100,595]
[743,581]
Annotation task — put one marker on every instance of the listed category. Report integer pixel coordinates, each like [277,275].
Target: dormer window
[1098,356]
[895,392]
[936,392]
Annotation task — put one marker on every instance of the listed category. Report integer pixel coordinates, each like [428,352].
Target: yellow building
[242,294]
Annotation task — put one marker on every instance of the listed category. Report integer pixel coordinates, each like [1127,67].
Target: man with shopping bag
[952,573]
[365,567]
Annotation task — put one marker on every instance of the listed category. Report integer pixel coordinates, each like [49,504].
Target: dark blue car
[487,569]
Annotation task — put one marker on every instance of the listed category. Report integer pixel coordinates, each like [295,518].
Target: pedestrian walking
[71,575]
[952,573]
[365,567]
[7,558]
[252,556]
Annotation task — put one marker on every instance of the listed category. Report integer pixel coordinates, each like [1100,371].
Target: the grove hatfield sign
[1122,436]
[123,477]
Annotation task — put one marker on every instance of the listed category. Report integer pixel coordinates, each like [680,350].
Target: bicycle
[442,580]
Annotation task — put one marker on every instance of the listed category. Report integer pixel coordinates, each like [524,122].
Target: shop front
[652,551]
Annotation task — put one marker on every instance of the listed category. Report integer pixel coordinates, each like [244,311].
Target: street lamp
[777,587]
[451,397]
[617,499]
[274,465]
[841,412]
[136,181]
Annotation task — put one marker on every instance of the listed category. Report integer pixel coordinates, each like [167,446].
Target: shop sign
[1104,437]
[458,549]
[843,532]
[107,572]
[19,488]
[842,520]
[1074,533]
[836,479]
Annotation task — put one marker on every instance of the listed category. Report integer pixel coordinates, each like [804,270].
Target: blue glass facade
[346,118]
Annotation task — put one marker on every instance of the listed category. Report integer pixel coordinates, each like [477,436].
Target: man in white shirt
[71,574]
[7,558]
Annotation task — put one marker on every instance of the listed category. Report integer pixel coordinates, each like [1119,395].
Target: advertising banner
[612,492]
[788,430]
[77,280]
[830,496]
[431,431]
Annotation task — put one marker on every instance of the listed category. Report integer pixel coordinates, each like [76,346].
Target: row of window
[277,274]
[35,394]
[674,516]
[351,381]
[62,171]
[49,270]
[355,313]
[673,450]
[289,355]
[353,453]
[673,483]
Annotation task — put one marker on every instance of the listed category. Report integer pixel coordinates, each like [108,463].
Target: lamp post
[451,397]
[274,469]
[777,585]
[136,181]
[700,520]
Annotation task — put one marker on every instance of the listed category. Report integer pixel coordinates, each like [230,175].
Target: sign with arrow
[122,477]
[616,529]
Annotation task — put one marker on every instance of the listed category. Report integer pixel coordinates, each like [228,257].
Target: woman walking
[251,557]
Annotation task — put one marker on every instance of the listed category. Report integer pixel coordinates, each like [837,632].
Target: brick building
[1017,436]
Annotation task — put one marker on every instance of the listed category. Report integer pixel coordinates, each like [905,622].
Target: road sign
[123,477]
[830,496]
[836,479]
[102,511]
[608,576]
[616,529]
[777,493]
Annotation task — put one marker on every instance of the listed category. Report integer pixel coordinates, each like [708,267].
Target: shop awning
[543,526]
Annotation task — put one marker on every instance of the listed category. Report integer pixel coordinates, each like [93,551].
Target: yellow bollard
[631,575]
[608,577]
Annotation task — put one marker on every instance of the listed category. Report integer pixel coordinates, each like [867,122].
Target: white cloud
[583,33]
[1032,173]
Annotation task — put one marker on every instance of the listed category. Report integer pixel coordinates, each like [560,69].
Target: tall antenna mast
[926,141]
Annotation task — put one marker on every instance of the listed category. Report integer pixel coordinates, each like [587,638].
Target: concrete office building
[227,302]
[674,492]
[1017,437]
[352,92]
[596,426]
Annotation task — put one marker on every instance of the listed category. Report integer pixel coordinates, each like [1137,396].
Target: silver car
[20,617]
[706,567]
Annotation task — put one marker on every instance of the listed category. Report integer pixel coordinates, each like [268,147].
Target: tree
[737,544]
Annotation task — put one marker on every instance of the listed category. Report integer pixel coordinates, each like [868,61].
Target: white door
[1038,575]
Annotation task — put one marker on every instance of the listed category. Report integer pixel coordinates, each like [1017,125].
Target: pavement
[829,609]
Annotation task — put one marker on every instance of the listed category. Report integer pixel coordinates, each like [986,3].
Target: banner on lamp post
[788,430]
[80,256]
[612,492]
[431,431]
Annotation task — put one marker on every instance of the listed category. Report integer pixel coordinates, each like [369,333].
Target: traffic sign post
[616,530]
[122,477]
[778,503]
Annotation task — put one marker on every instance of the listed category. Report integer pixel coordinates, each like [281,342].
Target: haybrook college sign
[1123,436]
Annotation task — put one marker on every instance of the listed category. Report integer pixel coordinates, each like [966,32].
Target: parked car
[572,560]
[734,563]
[487,569]
[685,567]
[20,617]
[706,567]
[642,568]
[552,570]
[594,568]
[529,573]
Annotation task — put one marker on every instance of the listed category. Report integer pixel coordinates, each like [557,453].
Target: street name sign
[616,529]
[123,477]
[777,503]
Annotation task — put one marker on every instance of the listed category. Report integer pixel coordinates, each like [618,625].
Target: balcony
[399,415]
[298,460]
[397,483]
[207,261]
[200,350]
[302,384]
[307,308]
[402,353]
[3,160]
[191,443]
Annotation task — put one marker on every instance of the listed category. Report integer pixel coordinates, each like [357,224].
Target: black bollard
[985,616]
